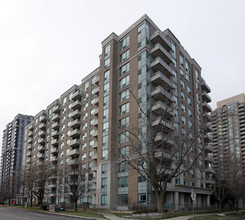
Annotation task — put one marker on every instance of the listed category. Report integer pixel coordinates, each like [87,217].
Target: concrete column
[176,201]
[208,200]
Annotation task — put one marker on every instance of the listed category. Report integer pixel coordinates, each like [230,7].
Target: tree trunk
[75,206]
[220,207]
[160,207]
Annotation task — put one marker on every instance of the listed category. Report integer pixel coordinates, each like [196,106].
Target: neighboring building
[12,153]
[228,122]
[83,128]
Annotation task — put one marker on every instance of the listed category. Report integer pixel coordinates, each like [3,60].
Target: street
[9,213]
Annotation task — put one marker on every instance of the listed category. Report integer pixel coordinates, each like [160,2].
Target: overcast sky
[48,46]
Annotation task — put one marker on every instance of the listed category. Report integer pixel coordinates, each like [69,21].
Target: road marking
[17,216]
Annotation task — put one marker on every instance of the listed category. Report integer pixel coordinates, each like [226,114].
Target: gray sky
[47,46]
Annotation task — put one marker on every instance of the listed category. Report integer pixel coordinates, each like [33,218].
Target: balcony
[29,147]
[97,80]
[158,37]
[159,65]
[95,112]
[43,118]
[54,150]
[55,134]
[206,107]
[41,141]
[74,143]
[52,185]
[55,142]
[73,162]
[41,148]
[31,127]
[28,160]
[159,51]
[40,156]
[208,127]
[94,157]
[42,126]
[206,97]
[73,152]
[53,158]
[209,159]
[209,170]
[166,125]
[95,122]
[209,148]
[159,93]
[29,154]
[75,123]
[56,118]
[30,134]
[95,145]
[205,87]
[41,133]
[208,138]
[96,101]
[161,108]
[95,134]
[56,126]
[210,181]
[75,133]
[207,117]
[163,154]
[56,109]
[77,95]
[73,173]
[158,79]
[29,140]
[75,114]
[164,139]
[76,105]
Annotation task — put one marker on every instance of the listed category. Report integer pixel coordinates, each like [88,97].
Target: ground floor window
[104,199]
[122,199]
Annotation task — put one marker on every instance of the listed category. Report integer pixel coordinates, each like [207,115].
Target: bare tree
[36,178]
[73,184]
[157,151]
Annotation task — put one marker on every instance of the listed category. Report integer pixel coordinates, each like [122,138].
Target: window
[104,154]
[84,126]
[188,89]
[124,69]
[182,95]
[122,182]
[187,67]
[84,136]
[106,101]
[124,95]
[106,87]
[107,62]
[104,184]
[106,113]
[94,78]
[122,199]
[123,137]
[104,168]
[124,108]
[183,120]
[103,199]
[124,56]
[124,42]
[189,112]
[107,75]
[84,145]
[85,106]
[85,115]
[181,61]
[124,122]
[90,164]
[107,50]
[85,97]
[105,126]
[86,85]
[189,101]
[123,82]
[123,167]
[123,151]
[183,107]
[83,156]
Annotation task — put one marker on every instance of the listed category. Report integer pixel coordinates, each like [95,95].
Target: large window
[124,69]
[107,50]
[122,182]
[122,199]
[124,42]
[124,108]
[123,82]
[107,62]
[124,95]
[124,122]
[124,55]
[123,137]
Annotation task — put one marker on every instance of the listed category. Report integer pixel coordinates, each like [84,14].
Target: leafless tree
[36,178]
[157,151]
[73,184]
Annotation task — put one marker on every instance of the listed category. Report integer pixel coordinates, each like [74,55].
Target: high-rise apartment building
[84,128]
[12,153]
[228,122]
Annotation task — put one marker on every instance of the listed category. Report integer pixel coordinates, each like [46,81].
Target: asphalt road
[8,213]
